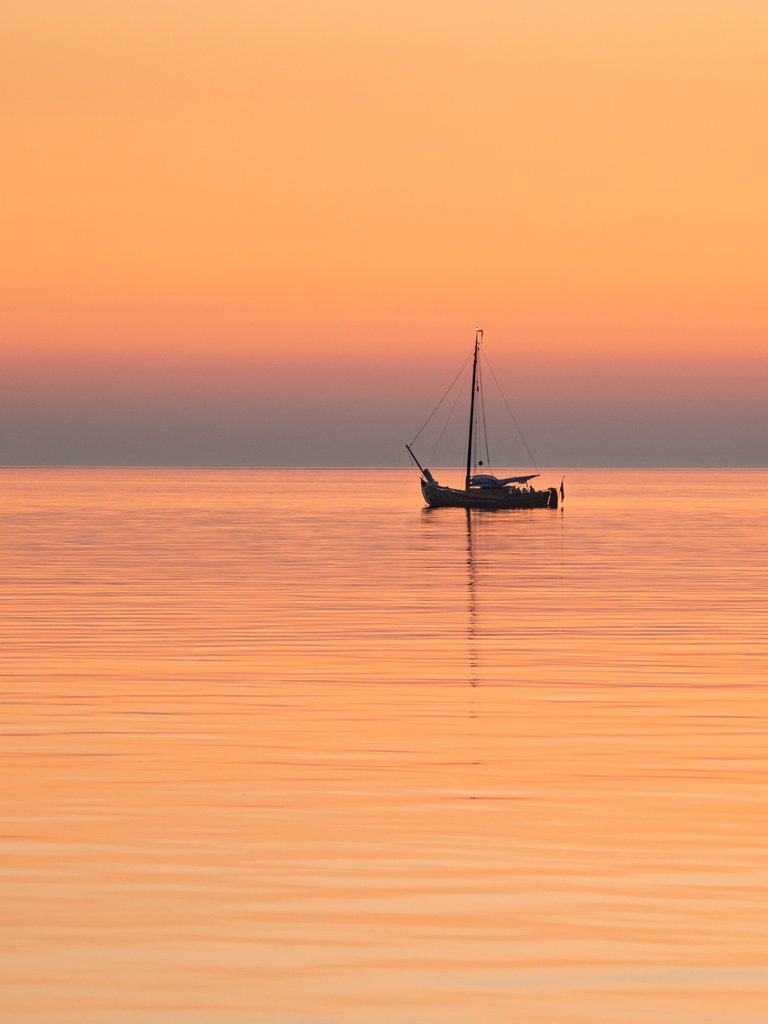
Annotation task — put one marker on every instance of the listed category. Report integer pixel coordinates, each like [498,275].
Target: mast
[478,336]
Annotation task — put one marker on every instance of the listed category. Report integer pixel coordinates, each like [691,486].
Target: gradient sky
[245,234]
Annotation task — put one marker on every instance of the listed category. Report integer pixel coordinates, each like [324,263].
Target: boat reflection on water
[513,566]
[432,517]
[472,596]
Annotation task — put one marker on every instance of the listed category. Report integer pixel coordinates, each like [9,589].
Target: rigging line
[445,425]
[477,440]
[475,436]
[445,395]
[512,415]
[482,407]
[474,432]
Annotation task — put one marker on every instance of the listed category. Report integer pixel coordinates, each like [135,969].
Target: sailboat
[482,490]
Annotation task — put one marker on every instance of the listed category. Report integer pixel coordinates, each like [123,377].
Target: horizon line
[303,468]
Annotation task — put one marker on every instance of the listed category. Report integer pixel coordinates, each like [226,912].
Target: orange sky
[234,185]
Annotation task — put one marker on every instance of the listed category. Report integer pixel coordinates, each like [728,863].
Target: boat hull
[494,498]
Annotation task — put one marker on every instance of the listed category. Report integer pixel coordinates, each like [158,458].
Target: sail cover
[486,480]
[518,479]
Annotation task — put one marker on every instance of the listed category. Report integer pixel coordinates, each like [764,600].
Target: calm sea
[286,748]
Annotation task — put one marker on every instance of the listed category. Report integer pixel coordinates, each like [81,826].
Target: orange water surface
[286,748]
